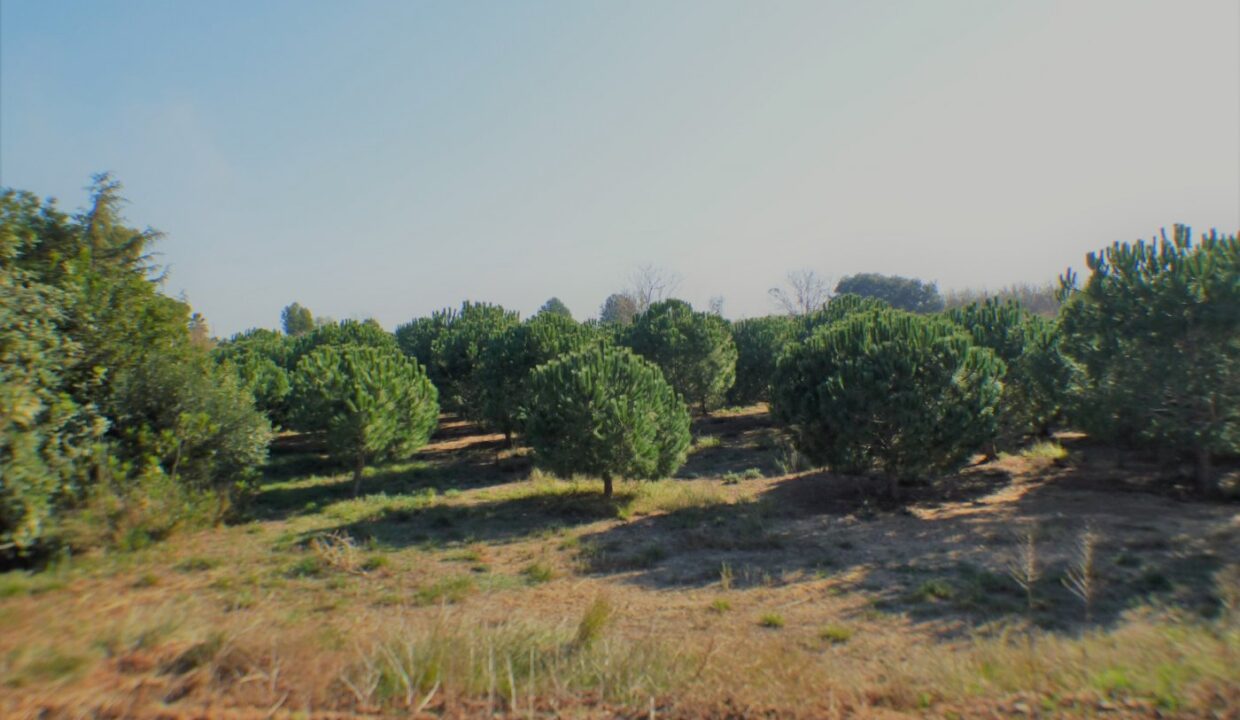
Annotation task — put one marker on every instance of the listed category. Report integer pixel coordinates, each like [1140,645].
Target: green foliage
[450,344]
[901,293]
[259,358]
[365,333]
[694,350]
[1038,374]
[45,436]
[889,391]
[105,393]
[296,320]
[555,306]
[759,342]
[606,412]
[373,403]
[196,420]
[838,308]
[618,309]
[507,359]
[1156,330]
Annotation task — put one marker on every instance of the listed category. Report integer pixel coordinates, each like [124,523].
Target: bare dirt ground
[734,590]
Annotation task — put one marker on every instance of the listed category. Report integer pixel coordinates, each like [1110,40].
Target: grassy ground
[464,584]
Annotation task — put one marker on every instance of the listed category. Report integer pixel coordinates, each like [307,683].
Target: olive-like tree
[694,350]
[372,403]
[296,319]
[606,412]
[889,392]
[1156,331]
[900,292]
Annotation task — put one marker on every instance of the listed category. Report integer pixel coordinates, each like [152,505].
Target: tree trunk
[1205,471]
[607,487]
[357,474]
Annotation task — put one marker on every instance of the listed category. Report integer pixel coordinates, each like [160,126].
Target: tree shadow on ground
[499,520]
[946,554]
[300,478]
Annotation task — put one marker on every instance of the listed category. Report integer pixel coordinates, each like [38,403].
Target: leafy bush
[889,391]
[259,358]
[1038,374]
[196,420]
[606,412]
[45,436]
[1156,329]
[901,293]
[507,360]
[373,403]
[107,400]
[694,350]
[759,342]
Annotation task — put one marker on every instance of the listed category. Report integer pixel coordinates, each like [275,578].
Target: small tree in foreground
[373,403]
[891,392]
[606,412]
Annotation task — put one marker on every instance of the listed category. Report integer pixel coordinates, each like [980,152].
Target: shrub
[507,360]
[604,411]
[373,404]
[1156,329]
[901,293]
[1038,374]
[840,307]
[759,342]
[889,391]
[694,350]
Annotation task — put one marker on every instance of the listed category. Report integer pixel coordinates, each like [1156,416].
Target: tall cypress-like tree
[373,403]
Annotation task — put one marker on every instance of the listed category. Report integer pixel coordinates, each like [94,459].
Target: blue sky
[389,158]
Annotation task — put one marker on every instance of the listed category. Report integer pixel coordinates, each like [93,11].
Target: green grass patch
[446,591]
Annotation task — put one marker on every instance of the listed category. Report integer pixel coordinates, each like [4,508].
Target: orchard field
[875,503]
[461,583]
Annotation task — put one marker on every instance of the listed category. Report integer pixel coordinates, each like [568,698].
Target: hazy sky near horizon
[387,159]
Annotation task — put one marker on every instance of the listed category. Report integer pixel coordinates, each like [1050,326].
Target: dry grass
[460,589]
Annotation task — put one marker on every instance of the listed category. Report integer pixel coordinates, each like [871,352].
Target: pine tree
[694,350]
[555,306]
[508,359]
[606,412]
[759,343]
[373,403]
[889,391]
[1156,331]
[1038,374]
